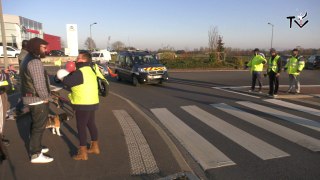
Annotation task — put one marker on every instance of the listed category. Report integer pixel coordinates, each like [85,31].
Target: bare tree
[213,36]
[90,44]
[118,46]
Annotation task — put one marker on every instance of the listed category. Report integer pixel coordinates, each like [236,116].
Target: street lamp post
[4,41]
[271,33]
[91,34]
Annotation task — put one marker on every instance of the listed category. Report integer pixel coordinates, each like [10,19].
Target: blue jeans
[256,75]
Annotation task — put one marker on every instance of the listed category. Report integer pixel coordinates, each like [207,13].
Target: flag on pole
[111,73]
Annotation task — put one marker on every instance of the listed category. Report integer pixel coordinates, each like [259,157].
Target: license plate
[155,77]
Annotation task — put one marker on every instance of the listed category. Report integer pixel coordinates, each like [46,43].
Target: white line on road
[256,146]
[207,155]
[282,131]
[283,115]
[265,86]
[306,101]
[243,94]
[297,107]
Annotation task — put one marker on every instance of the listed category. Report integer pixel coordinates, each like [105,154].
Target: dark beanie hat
[34,45]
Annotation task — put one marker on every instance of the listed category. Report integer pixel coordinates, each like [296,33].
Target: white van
[11,51]
[102,56]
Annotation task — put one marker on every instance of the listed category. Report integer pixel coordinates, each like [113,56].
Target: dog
[55,121]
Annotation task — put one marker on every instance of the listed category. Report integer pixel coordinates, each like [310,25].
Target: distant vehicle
[285,59]
[313,62]
[56,53]
[140,67]
[11,51]
[102,56]
[113,52]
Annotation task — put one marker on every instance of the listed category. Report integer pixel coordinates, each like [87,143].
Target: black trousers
[39,116]
[256,75]
[273,83]
[86,119]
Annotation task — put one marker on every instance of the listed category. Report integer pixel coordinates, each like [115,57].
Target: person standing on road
[85,100]
[256,68]
[23,52]
[294,66]
[35,92]
[273,71]
[20,108]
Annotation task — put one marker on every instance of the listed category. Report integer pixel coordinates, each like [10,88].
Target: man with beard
[35,92]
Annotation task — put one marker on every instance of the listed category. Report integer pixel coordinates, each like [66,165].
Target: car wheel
[135,81]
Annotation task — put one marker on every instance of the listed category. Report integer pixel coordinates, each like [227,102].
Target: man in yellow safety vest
[256,68]
[273,71]
[294,66]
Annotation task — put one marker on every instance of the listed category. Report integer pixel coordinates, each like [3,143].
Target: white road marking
[282,131]
[256,146]
[297,107]
[243,94]
[283,115]
[207,155]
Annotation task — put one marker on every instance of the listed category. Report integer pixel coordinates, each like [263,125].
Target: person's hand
[278,74]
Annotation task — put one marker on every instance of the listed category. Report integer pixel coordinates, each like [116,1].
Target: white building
[19,28]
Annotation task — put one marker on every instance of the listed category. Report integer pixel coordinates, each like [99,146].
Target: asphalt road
[186,92]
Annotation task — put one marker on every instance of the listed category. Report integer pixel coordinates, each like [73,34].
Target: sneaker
[40,158]
[249,90]
[11,118]
[44,150]
[275,95]
[270,95]
[260,92]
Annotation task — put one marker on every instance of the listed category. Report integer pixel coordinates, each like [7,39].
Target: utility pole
[271,33]
[4,41]
[90,44]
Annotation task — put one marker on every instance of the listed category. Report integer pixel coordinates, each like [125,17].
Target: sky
[181,24]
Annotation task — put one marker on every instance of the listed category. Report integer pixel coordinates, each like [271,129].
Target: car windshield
[145,59]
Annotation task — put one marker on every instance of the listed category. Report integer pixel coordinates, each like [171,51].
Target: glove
[61,73]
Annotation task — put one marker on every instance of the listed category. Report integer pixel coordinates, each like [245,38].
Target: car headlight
[164,69]
[141,70]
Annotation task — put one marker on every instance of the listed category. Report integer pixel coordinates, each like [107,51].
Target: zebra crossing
[209,156]
[206,153]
